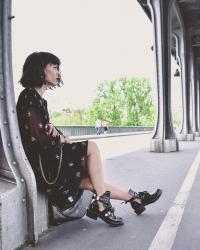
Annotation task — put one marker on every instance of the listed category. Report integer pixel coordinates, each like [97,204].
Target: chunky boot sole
[93,215]
[140,210]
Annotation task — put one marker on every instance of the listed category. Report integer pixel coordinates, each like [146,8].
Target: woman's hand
[65,139]
[54,133]
[52,130]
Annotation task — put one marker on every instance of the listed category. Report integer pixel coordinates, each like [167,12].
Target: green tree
[58,118]
[107,104]
[138,103]
[123,102]
[68,117]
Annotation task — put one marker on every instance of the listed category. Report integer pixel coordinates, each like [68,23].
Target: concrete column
[186,133]
[18,213]
[198,84]
[195,92]
[198,96]
[164,138]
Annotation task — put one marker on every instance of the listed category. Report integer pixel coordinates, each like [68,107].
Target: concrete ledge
[42,213]
[103,136]
[13,221]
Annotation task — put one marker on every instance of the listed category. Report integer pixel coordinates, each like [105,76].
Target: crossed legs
[101,207]
[95,179]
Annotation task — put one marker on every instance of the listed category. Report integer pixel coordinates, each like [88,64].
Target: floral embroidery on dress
[39,125]
[66,192]
[70,164]
[33,139]
[26,127]
[78,174]
[57,157]
[70,198]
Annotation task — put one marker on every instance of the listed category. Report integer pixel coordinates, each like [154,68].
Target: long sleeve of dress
[38,130]
[33,119]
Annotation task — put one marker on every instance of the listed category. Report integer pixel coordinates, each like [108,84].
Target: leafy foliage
[124,102]
[69,117]
[120,102]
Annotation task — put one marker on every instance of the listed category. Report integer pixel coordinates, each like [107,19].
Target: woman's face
[52,74]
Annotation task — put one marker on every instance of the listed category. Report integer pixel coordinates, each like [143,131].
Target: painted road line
[166,234]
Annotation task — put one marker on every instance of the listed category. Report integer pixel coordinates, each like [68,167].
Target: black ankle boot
[107,214]
[146,199]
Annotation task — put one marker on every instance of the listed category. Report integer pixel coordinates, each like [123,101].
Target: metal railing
[90,130]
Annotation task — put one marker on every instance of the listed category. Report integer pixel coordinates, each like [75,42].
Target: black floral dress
[44,152]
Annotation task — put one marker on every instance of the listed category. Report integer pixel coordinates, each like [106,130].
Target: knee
[92,148]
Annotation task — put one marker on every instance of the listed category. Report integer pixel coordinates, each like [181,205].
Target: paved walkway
[128,163]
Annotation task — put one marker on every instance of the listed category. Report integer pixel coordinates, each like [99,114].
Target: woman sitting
[64,169]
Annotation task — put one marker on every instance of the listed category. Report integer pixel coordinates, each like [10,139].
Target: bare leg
[101,208]
[116,193]
[95,181]
[95,170]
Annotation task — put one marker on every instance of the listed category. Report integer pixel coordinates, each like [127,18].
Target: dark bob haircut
[33,70]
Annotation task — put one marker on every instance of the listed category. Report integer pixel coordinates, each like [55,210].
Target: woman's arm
[40,133]
[55,132]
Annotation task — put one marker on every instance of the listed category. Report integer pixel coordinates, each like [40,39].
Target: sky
[96,40]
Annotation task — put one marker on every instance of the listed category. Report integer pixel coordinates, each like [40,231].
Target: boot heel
[107,215]
[140,210]
[91,215]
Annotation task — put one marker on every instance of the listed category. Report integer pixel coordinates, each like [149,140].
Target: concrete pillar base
[197,133]
[186,137]
[164,146]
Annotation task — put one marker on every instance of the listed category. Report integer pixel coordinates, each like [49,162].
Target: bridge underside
[176,32]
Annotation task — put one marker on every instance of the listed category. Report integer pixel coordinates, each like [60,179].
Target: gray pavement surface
[129,164]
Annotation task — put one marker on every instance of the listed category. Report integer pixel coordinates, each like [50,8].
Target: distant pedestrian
[105,127]
[98,127]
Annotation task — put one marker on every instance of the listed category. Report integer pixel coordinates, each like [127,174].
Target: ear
[45,70]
